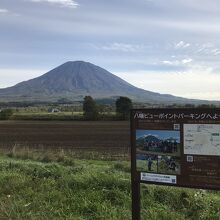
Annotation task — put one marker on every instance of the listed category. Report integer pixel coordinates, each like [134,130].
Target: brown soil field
[108,135]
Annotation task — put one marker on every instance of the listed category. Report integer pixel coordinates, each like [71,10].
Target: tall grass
[40,153]
[68,188]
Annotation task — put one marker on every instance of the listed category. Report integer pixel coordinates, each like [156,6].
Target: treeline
[5,114]
[93,111]
[88,109]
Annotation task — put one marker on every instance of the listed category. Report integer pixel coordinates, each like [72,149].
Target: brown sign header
[177,116]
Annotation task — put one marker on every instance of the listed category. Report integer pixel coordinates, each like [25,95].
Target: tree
[189,106]
[5,114]
[206,106]
[123,107]
[90,109]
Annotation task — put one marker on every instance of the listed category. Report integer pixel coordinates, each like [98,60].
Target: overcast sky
[164,46]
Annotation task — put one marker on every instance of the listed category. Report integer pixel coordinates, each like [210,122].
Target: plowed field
[52,134]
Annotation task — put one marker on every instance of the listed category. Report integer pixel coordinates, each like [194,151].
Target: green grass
[92,189]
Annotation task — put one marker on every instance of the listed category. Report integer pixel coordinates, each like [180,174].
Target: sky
[171,47]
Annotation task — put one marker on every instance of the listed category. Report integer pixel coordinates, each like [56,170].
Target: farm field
[104,136]
[64,116]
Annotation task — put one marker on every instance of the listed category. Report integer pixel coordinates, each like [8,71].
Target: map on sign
[202,139]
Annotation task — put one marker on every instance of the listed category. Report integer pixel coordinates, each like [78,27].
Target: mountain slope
[76,79]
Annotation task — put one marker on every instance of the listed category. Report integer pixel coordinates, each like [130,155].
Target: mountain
[149,138]
[76,79]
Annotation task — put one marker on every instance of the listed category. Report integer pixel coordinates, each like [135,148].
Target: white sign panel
[201,139]
[160,178]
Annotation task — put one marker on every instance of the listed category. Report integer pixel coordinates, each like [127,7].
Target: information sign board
[176,147]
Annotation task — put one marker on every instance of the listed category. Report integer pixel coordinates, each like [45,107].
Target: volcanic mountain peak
[74,80]
[82,76]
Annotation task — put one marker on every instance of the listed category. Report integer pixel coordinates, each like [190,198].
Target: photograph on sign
[158,163]
[168,164]
[161,142]
[147,162]
[201,139]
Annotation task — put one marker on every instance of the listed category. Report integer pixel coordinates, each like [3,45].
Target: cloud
[62,3]
[168,62]
[197,82]
[177,62]
[208,49]
[205,47]
[14,76]
[121,47]
[3,11]
[181,45]
[184,61]
[215,51]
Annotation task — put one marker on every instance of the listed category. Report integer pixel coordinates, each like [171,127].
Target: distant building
[53,110]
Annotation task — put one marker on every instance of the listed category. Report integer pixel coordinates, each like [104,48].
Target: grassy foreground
[91,189]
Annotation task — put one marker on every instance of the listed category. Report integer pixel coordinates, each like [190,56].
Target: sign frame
[180,116]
